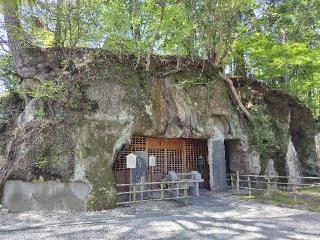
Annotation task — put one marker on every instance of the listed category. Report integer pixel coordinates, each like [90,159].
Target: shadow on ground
[212,216]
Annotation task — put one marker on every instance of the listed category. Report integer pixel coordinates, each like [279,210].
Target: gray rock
[21,196]
[271,171]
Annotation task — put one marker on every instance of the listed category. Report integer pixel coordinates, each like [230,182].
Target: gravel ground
[211,216]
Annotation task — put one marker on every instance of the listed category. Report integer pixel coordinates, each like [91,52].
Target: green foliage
[281,46]
[196,28]
[274,41]
[40,114]
[9,80]
[48,90]
[209,78]
[266,134]
[4,119]
[43,163]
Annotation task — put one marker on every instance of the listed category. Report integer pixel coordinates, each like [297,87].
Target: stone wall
[19,196]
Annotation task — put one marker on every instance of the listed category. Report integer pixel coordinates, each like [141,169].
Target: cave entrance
[172,154]
[234,155]
[227,156]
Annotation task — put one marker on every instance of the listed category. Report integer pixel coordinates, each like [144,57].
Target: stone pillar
[196,176]
[217,162]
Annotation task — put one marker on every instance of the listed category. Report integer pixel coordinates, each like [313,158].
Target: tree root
[236,96]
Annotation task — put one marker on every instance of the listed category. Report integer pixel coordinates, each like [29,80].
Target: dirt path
[209,217]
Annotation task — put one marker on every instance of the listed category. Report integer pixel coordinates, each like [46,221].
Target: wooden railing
[146,191]
[272,183]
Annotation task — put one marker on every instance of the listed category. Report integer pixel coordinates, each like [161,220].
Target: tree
[274,41]
[281,45]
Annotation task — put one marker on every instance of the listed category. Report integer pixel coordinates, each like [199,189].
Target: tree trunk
[15,34]
[215,62]
[28,61]
[25,56]
[136,28]
[240,66]
[58,42]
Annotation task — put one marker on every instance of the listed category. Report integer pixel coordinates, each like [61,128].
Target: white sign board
[152,161]
[131,160]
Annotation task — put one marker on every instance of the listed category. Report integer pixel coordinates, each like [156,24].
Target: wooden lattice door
[179,155]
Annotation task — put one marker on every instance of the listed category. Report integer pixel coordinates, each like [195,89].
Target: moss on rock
[95,145]
[107,100]
[103,194]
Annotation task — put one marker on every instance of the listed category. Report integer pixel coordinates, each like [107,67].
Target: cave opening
[172,154]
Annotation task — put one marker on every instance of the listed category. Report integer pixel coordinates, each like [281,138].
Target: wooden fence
[272,183]
[146,191]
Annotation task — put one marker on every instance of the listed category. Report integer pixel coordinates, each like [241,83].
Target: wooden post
[177,190]
[249,185]
[134,198]
[238,182]
[162,191]
[141,188]
[152,169]
[268,185]
[294,188]
[185,192]
[231,179]
[130,187]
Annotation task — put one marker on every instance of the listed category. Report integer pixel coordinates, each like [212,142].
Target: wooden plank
[165,169]
[184,162]
[154,143]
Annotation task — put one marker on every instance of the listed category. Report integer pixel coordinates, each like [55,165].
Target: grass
[315,209]
[310,190]
[304,201]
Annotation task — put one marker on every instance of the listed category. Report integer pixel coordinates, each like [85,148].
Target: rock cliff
[79,119]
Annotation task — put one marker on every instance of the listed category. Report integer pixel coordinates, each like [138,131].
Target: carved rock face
[317,144]
[254,165]
[86,149]
[292,161]
[270,170]
[28,114]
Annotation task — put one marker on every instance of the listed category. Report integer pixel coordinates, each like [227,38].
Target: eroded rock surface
[106,102]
